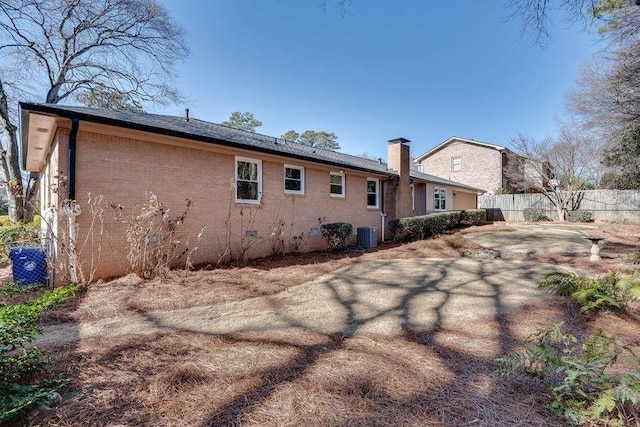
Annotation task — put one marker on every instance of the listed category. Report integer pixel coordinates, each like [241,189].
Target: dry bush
[154,243]
[75,260]
[246,239]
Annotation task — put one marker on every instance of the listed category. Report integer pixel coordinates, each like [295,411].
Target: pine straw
[437,377]
[432,377]
[261,277]
[353,381]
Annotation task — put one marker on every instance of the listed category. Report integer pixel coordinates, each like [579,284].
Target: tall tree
[560,168]
[243,121]
[290,135]
[313,138]
[320,139]
[622,163]
[62,48]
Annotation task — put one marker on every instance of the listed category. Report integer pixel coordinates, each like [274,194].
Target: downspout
[70,207]
[382,213]
[72,158]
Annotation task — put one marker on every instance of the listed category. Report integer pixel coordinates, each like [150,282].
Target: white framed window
[248,180]
[373,193]
[337,184]
[293,179]
[456,164]
[439,199]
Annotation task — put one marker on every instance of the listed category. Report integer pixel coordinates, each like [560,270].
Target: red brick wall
[126,170]
[481,167]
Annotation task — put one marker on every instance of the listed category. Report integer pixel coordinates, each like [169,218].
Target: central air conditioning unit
[366,237]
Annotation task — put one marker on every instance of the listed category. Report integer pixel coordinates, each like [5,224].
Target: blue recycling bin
[29,265]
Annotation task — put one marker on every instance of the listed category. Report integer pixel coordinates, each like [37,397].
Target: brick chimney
[398,160]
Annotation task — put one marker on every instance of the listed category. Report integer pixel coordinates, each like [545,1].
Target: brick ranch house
[240,183]
[471,162]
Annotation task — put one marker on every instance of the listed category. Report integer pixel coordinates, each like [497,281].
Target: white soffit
[41,131]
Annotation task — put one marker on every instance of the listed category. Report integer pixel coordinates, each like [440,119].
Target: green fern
[612,292]
[581,386]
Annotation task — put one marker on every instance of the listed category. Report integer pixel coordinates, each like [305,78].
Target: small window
[456,164]
[248,180]
[439,199]
[373,193]
[293,179]
[337,184]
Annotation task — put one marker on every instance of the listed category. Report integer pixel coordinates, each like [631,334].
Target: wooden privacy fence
[606,205]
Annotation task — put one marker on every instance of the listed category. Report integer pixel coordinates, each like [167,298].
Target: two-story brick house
[470,162]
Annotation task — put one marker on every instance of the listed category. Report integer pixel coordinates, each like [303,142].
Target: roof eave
[443,181]
[27,107]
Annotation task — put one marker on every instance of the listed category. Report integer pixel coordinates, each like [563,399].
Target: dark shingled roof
[199,130]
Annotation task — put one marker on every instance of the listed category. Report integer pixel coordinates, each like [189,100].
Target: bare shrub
[248,237]
[153,238]
[235,247]
[71,259]
[277,236]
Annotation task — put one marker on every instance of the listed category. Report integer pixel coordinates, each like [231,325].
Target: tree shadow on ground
[451,343]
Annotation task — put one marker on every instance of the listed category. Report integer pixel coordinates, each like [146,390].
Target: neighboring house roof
[457,138]
[437,180]
[212,133]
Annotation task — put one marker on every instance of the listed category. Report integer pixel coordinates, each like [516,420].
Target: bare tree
[67,47]
[607,97]
[560,168]
[341,3]
[108,99]
[536,14]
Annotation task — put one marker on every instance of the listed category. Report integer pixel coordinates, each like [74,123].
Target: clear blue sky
[424,70]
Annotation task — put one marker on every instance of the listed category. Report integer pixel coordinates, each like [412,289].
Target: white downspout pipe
[72,210]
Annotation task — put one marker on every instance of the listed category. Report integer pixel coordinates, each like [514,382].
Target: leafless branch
[73,46]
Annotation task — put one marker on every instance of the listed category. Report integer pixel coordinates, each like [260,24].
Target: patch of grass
[19,360]
[11,288]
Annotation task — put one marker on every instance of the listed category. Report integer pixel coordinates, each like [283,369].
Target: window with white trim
[293,179]
[373,193]
[456,164]
[337,184]
[439,199]
[248,180]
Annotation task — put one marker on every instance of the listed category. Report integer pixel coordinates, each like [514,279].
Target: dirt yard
[405,334]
